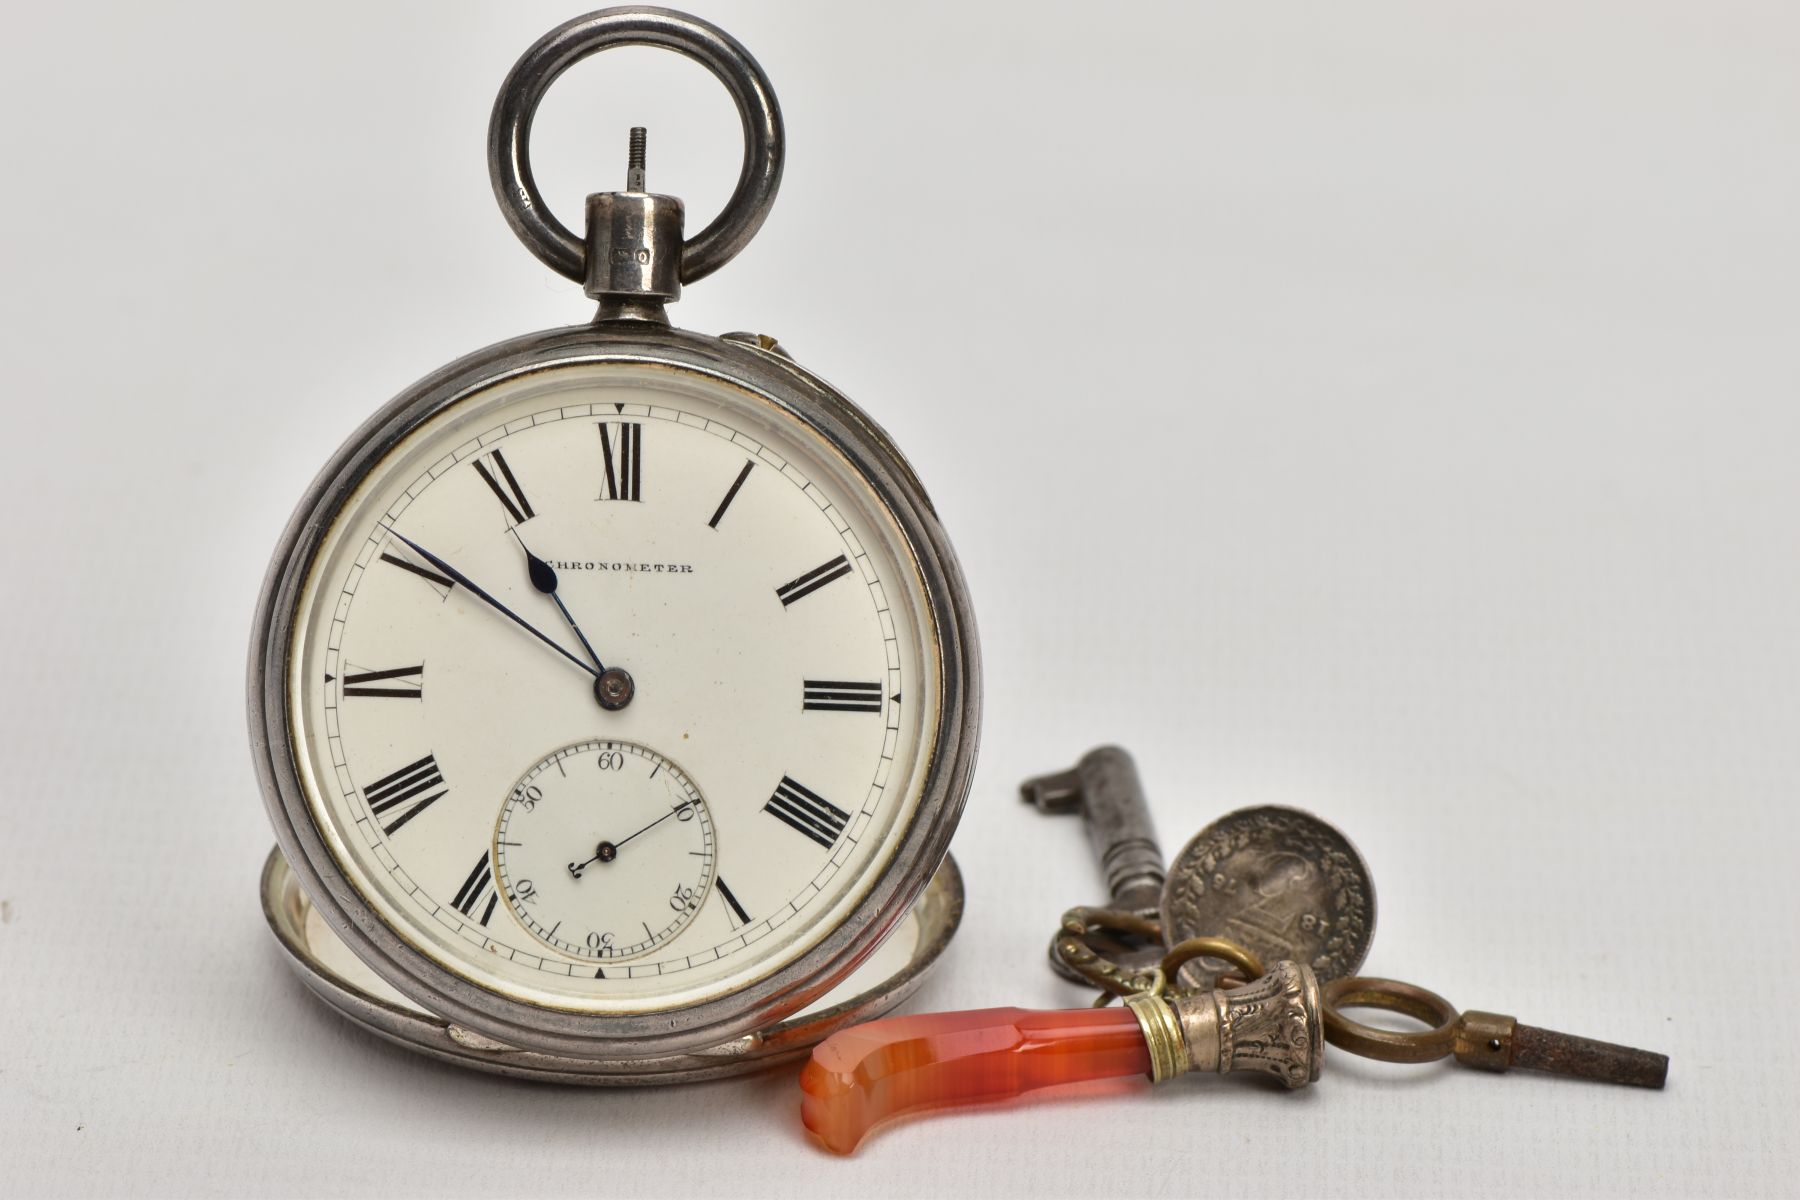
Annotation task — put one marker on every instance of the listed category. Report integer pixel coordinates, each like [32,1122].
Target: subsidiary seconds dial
[604,850]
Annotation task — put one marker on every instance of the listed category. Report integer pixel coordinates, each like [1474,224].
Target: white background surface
[1388,410]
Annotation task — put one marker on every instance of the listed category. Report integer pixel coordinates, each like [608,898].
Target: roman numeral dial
[830,695]
[461,609]
[395,683]
[739,917]
[806,812]
[497,474]
[441,583]
[477,894]
[398,797]
[802,586]
[622,458]
[730,495]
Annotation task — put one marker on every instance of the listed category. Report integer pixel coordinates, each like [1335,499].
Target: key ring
[1073,949]
[1238,956]
[509,133]
[1388,1045]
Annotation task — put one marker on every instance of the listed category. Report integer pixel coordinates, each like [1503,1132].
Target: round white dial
[604,850]
[644,558]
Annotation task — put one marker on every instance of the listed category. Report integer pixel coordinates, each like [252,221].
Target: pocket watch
[614,689]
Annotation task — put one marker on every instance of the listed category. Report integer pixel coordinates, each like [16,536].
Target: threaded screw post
[634,165]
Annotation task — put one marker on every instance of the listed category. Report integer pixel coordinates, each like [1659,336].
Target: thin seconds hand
[498,607]
[605,852]
[658,821]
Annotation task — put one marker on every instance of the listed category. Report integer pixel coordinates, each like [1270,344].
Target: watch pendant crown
[634,241]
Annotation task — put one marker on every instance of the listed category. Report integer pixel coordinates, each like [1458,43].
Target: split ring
[1186,951]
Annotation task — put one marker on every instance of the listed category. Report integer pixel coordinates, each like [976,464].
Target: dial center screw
[614,688]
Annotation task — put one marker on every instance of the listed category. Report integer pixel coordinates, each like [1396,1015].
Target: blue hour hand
[613,687]
[543,578]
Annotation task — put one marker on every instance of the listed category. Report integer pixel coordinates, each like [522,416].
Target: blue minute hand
[498,607]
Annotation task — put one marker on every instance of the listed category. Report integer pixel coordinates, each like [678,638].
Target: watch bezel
[923,840]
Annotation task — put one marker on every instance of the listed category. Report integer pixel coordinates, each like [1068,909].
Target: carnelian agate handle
[868,1074]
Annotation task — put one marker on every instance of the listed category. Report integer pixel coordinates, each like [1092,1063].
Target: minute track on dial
[690,601]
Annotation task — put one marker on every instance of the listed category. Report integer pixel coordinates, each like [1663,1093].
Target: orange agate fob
[871,1073]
